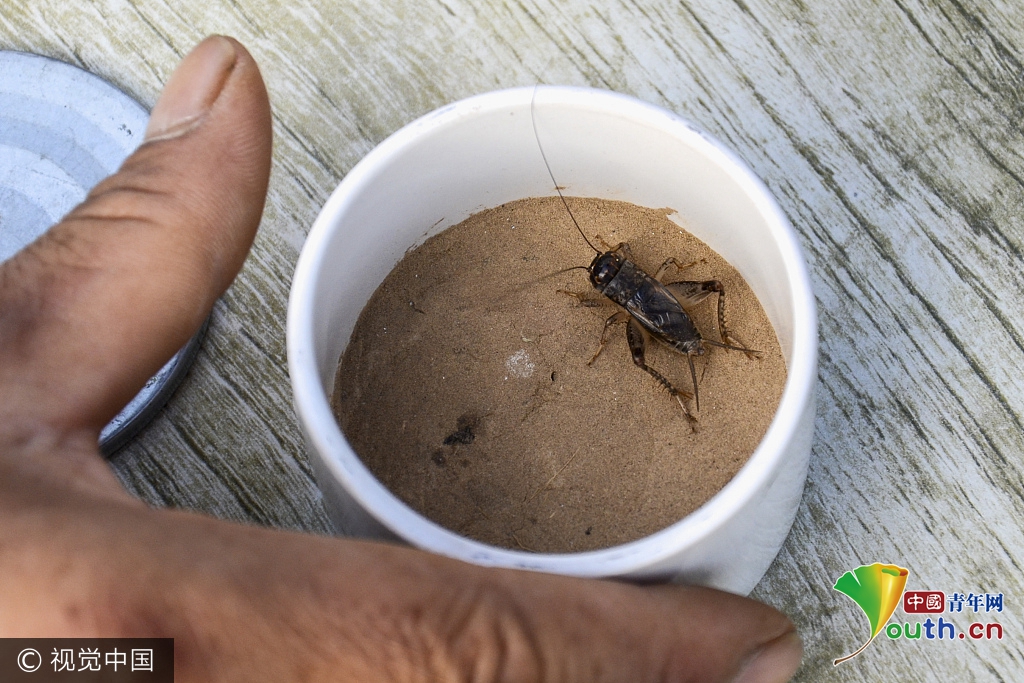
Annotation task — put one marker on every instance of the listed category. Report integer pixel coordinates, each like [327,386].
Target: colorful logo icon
[924,602]
[877,589]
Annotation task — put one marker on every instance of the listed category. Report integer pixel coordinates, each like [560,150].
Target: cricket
[651,306]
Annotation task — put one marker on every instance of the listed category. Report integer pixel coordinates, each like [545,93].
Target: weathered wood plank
[890,133]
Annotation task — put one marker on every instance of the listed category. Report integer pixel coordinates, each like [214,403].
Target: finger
[253,604]
[93,308]
[589,631]
[370,612]
[384,613]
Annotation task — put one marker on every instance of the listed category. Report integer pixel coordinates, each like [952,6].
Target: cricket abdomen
[654,307]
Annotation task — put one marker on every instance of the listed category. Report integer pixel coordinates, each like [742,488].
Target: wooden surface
[890,132]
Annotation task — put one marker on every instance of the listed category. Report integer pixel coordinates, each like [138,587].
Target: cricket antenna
[533,120]
[566,270]
[557,272]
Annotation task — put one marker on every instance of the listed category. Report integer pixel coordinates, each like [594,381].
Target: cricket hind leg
[689,294]
[637,339]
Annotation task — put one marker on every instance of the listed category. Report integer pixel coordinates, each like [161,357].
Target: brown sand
[466,390]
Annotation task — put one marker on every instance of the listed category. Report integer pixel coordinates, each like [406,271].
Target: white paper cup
[482,152]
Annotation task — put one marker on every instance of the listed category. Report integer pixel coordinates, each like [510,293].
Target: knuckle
[150,187]
[127,196]
[489,638]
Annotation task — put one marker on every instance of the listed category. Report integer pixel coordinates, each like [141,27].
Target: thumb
[601,631]
[94,307]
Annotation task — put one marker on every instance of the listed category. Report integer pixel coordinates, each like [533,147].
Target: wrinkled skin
[161,240]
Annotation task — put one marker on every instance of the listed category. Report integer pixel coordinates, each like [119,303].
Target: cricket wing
[658,311]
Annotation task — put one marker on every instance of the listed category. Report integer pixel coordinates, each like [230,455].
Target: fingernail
[193,88]
[776,662]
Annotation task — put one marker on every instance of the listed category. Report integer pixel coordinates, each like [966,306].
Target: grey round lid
[62,130]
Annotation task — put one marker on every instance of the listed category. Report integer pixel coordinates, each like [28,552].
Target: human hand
[98,304]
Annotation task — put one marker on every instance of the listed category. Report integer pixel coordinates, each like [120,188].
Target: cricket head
[604,268]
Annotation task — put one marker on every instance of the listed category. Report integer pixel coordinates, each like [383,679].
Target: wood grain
[890,133]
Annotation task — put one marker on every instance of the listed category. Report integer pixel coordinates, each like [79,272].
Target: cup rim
[313,406]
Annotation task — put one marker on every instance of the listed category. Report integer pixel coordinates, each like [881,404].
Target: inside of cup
[447,166]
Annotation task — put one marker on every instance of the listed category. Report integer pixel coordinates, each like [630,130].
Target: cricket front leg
[585,299]
[616,318]
[621,247]
[672,261]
